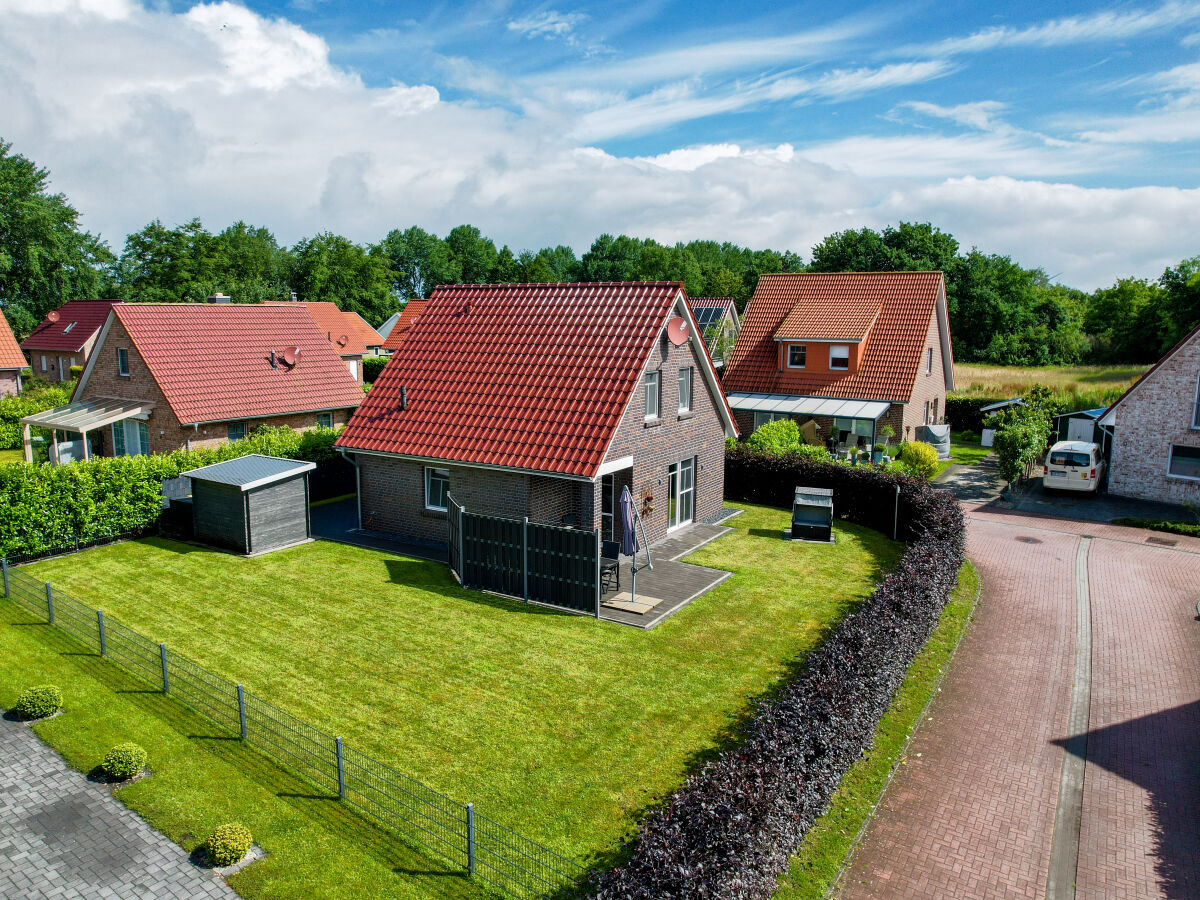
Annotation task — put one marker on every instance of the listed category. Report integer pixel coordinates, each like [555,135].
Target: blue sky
[1065,136]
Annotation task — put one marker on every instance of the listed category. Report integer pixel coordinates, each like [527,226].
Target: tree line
[1000,312]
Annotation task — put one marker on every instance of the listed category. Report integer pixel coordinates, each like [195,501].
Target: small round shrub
[775,437]
[124,761]
[228,844]
[38,702]
[920,457]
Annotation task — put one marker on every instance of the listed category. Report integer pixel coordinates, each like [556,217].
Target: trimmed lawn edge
[829,839]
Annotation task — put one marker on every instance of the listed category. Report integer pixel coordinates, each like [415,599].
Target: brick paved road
[62,836]
[971,813]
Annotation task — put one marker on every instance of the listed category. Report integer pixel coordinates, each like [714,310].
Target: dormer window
[67,330]
[839,357]
[797,356]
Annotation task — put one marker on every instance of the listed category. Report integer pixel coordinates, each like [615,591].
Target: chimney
[292,296]
[274,364]
[220,298]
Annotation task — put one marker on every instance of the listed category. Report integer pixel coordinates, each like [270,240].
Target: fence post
[162,655]
[241,711]
[462,548]
[896,515]
[470,839]
[50,602]
[100,629]
[4,563]
[341,764]
[525,555]
[597,573]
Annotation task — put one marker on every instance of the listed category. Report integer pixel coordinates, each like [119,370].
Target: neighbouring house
[1155,428]
[349,333]
[719,323]
[170,376]
[66,338]
[12,360]
[544,400]
[852,352]
[404,321]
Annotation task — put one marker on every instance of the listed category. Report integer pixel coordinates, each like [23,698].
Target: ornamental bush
[228,844]
[38,702]
[124,761]
[36,396]
[920,457]
[778,436]
[372,366]
[730,830]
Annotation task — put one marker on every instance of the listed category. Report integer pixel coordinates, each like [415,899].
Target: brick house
[1155,427]
[544,400]
[175,376]
[852,352]
[719,323]
[347,331]
[65,338]
[401,323]
[12,360]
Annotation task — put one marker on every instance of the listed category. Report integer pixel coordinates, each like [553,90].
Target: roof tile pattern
[906,302]
[77,321]
[411,312]
[11,356]
[212,361]
[370,337]
[341,328]
[822,318]
[529,376]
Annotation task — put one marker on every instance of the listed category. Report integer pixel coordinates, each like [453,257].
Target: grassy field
[560,726]
[831,838]
[11,456]
[1099,383]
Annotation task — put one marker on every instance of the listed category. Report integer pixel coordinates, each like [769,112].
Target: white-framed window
[43,362]
[1184,462]
[929,361]
[685,389]
[437,486]
[324,420]
[1196,405]
[352,365]
[653,391]
[762,418]
[131,437]
[122,361]
[235,431]
[681,492]
[797,356]
[839,357]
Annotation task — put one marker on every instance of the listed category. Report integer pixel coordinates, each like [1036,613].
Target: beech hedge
[730,830]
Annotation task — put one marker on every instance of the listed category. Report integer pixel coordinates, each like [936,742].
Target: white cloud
[1172,116]
[548,23]
[981,115]
[153,114]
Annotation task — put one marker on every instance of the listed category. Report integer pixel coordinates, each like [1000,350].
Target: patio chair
[610,566]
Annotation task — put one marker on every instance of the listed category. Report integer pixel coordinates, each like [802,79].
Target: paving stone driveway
[62,836]
[971,813]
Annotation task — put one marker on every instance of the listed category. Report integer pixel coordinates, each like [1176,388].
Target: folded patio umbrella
[629,541]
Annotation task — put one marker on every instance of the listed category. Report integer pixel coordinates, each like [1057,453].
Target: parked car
[1073,466]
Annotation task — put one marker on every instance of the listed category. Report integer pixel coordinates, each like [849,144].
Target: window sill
[433,513]
[686,414]
[651,423]
[1175,477]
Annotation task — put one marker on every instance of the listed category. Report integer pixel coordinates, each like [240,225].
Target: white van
[1073,466]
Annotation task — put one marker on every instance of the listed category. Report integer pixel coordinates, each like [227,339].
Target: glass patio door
[681,493]
[607,506]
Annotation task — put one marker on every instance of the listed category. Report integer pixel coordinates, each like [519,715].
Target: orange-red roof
[70,326]
[906,303]
[846,318]
[370,337]
[411,312]
[527,376]
[11,356]
[212,361]
[347,331]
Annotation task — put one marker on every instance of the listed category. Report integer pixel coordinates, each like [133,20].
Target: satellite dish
[343,340]
[290,356]
[52,315]
[677,331]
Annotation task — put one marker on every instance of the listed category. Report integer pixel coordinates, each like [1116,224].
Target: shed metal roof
[252,471]
[808,406]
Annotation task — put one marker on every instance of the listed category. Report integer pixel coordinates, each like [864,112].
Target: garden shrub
[228,844]
[778,436]
[124,761]
[920,458]
[372,366]
[729,831]
[36,396]
[966,413]
[38,702]
[1022,433]
[1189,529]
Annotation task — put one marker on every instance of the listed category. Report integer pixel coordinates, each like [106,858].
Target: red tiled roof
[528,376]
[845,318]
[212,361]
[77,321]
[11,356]
[370,337]
[336,324]
[714,302]
[411,312]
[906,302]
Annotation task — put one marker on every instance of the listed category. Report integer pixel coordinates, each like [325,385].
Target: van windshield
[1068,458]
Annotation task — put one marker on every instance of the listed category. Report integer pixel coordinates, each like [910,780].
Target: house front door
[681,493]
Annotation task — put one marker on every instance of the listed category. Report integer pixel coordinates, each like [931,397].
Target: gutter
[357,483]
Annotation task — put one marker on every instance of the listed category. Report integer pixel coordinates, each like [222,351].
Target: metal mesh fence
[497,857]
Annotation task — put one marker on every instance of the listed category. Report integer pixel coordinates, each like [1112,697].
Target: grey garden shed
[251,504]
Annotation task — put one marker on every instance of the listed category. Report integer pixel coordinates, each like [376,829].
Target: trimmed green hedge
[48,508]
[36,397]
[966,413]
[124,761]
[1189,529]
[372,366]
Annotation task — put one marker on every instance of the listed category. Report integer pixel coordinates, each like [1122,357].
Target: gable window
[324,420]
[437,486]
[839,357]
[43,362]
[235,431]
[122,361]
[652,394]
[797,356]
[685,389]
[1184,462]
[1196,406]
[929,361]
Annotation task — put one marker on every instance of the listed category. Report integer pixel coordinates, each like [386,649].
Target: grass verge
[1190,529]
[815,868]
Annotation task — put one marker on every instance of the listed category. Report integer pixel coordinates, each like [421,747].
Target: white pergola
[81,416]
[793,405]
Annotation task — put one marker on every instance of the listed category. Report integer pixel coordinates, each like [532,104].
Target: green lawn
[559,726]
[11,456]
[965,450]
[825,848]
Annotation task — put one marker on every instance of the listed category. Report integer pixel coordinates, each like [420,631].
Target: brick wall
[672,437]
[929,386]
[10,381]
[1157,415]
